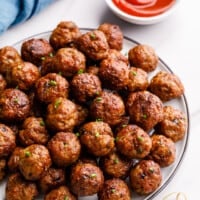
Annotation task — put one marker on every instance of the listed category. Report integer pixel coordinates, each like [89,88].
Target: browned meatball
[167,86]
[48,66]
[114,189]
[50,87]
[97,137]
[117,55]
[14,105]
[145,109]
[133,142]
[35,50]
[113,34]
[24,75]
[8,57]
[94,44]
[108,107]
[62,115]
[7,141]
[114,74]
[3,83]
[145,177]
[60,193]
[85,86]
[64,148]
[115,165]
[64,34]
[82,114]
[144,57]
[86,179]
[2,169]
[93,70]
[13,162]
[138,79]
[173,125]
[163,150]
[51,179]
[19,189]
[34,160]
[33,132]
[69,61]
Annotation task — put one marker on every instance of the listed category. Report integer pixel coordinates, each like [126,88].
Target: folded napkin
[15,11]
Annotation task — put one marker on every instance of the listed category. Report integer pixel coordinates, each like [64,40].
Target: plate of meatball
[88,114]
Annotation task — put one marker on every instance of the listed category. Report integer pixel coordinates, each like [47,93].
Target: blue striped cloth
[15,11]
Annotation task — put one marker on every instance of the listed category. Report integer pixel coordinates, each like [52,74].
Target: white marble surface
[176,40]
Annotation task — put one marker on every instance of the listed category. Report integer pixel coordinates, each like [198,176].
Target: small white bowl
[140,20]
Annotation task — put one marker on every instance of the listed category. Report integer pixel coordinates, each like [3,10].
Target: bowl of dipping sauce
[142,11]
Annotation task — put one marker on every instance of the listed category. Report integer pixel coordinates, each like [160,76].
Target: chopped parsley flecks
[57,103]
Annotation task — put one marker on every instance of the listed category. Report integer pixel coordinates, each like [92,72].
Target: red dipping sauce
[144,8]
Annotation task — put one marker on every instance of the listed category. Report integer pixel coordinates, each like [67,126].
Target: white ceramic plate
[179,103]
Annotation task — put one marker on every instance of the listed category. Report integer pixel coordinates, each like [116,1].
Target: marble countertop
[176,40]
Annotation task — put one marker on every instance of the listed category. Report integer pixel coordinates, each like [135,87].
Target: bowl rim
[132,18]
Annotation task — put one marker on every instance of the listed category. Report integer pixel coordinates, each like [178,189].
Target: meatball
[59,193]
[166,86]
[34,160]
[94,44]
[62,115]
[108,107]
[8,57]
[85,86]
[14,105]
[51,179]
[69,61]
[138,79]
[93,70]
[133,142]
[2,169]
[114,74]
[13,162]
[115,165]
[113,35]
[144,57]
[7,141]
[145,109]
[145,177]
[35,50]
[173,125]
[82,114]
[163,150]
[3,83]
[64,148]
[50,87]
[33,132]
[48,66]
[24,75]
[116,189]
[86,179]
[117,55]
[64,34]
[19,189]
[97,137]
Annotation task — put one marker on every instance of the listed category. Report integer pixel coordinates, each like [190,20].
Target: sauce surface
[144,8]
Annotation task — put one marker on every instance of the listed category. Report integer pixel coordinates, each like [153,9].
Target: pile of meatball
[79,118]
